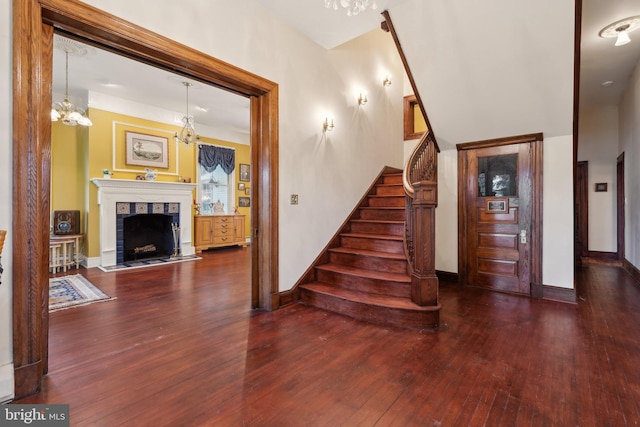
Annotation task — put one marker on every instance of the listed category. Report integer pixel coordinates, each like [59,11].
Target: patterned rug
[73,291]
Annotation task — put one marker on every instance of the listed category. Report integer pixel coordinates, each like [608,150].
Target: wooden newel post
[424,282]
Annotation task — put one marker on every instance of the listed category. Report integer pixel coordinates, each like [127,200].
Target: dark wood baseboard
[598,257]
[289,297]
[446,276]
[632,270]
[556,293]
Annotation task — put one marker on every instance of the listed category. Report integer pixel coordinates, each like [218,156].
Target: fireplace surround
[116,195]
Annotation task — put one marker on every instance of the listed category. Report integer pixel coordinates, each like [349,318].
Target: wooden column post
[424,282]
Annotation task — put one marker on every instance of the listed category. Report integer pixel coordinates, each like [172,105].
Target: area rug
[149,262]
[73,291]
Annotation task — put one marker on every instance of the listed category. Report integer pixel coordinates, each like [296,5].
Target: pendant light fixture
[621,29]
[188,133]
[353,7]
[65,111]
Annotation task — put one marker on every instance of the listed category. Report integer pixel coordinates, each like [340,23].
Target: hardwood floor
[181,347]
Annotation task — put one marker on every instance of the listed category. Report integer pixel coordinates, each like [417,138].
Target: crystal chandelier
[188,133]
[65,111]
[353,7]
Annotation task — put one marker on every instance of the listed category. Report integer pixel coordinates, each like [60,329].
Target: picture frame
[241,186]
[244,202]
[495,205]
[601,186]
[146,150]
[245,172]
[247,191]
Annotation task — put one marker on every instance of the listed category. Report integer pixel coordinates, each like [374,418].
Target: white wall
[557,212]
[6,338]
[630,145]
[598,144]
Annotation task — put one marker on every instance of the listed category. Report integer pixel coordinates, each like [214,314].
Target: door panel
[498,193]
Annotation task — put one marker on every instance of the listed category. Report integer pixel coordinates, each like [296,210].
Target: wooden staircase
[364,273]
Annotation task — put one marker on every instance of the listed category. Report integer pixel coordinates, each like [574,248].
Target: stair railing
[420,180]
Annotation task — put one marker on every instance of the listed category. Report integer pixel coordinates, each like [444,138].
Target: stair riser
[392,179]
[364,284]
[383,214]
[377,228]
[389,246]
[395,190]
[369,262]
[388,201]
[372,314]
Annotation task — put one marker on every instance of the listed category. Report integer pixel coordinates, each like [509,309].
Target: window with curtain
[215,189]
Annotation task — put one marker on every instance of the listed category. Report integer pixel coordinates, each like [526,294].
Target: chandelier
[188,133]
[65,111]
[353,7]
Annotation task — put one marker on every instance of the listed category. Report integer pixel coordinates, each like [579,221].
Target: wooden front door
[497,204]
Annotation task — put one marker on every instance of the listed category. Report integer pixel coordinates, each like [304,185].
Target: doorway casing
[34,22]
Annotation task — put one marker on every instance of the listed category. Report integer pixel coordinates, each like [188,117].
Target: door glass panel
[498,176]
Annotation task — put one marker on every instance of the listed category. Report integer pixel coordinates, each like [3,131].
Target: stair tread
[373,236]
[366,252]
[362,272]
[366,297]
[401,208]
[376,221]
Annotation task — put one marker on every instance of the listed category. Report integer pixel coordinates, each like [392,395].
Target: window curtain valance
[210,157]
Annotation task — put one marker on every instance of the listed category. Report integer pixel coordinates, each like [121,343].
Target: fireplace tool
[175,230]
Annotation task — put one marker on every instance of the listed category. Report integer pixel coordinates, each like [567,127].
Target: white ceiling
[103,72]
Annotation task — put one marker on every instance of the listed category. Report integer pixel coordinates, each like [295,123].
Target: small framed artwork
[497,205]
[247,191]
[241,186]
[245,172]
[601,186]
[244,202]
[146,150]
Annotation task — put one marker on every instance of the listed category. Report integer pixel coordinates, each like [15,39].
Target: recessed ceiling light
[607,83]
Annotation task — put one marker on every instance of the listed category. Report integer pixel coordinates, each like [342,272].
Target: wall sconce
[387,81]
[362,99]
[327,125]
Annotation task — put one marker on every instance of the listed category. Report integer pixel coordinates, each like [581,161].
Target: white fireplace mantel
[112,191]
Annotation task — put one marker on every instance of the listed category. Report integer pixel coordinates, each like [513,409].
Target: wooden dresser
[214,231]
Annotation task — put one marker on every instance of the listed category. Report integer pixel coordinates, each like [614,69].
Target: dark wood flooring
[181,347]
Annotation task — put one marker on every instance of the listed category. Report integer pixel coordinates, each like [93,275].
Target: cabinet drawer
[221,240]
[222,220]
[223,231]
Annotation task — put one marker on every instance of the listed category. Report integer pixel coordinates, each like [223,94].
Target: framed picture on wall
[146,150]
[601,186]
[245,172]
[497,205]
[244,202]
[241,186]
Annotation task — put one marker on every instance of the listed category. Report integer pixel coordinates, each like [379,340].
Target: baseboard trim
[289,297]
[632,270]
[446,276]
[555,293]
[599,257]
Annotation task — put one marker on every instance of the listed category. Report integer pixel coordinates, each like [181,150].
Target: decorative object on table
[73,291]
[197,208]
[151,174]
[3,234]
[140,178]
[175,231]
[106,173]
[146,150]
[66,222]
[187,180]
[218,207]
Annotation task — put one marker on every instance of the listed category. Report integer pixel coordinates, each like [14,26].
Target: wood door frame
[32,36]
[620,205]
[582,215]
[536,140]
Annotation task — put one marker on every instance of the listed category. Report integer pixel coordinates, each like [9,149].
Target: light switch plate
[294,199]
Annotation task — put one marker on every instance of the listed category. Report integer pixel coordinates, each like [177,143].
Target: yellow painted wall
[68,169]
[419,123]
[79,154]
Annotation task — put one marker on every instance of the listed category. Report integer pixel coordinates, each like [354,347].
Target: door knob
[523,237]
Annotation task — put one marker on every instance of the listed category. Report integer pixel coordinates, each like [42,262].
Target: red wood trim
[581,205]
[409,121]
[556,293]
[446,276]
[620,206]
[536,210]
[604,256]
[632,270]
[497,142]
[576,104]
[407,69]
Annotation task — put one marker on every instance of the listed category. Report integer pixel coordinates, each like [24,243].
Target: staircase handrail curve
[417,167]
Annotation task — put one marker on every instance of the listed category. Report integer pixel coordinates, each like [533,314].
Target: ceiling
[106,73]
